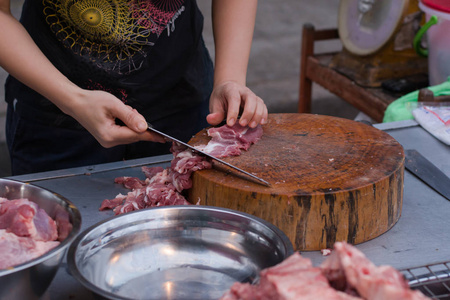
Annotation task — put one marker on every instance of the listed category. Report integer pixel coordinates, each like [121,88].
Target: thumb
[215,118]
[132,119]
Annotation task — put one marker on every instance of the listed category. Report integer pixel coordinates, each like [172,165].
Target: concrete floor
[273,71]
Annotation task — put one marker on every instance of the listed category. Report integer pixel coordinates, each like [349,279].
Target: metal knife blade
[427,172]
[259,180]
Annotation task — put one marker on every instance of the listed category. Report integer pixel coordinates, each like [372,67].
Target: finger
[265,117]
[131,132]
[215,118]
[233,99]
[259,114]
[249,108]
[131,118]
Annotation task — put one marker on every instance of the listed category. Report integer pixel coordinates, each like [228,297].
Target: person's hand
[229,98]
[97,112]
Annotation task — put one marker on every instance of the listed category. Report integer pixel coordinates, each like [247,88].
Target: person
[86,76]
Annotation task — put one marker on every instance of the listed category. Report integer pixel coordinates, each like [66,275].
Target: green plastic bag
[398,110]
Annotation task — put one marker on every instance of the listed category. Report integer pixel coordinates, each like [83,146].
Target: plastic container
[437,29]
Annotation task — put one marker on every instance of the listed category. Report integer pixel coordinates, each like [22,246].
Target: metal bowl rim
[73,268]
[76,226]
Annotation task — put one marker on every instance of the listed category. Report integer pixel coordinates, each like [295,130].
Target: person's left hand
[229,98]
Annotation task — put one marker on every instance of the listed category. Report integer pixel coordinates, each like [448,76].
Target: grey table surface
[420,237]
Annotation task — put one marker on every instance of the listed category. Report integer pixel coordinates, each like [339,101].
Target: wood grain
[332,179]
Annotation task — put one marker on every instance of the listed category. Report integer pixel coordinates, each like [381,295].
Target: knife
[427,172]
[259,180]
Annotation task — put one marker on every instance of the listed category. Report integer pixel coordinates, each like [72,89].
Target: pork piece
[229,141]
[149,172]
[131,182]
[16,250]
[24,218]
[294,278]
[164,186]
[63,224]
[347,268]
[161,186]
[113,203]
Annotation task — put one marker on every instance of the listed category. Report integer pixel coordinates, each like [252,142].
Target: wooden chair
[426,95]
[315,68]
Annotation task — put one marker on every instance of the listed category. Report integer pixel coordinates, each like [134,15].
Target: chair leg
[305,86]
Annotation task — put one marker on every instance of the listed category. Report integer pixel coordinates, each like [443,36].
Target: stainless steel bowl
[177,252]
[31,279]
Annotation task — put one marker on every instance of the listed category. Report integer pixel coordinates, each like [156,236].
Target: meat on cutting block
[16,250]
[24,218]
[164,186]
[345,274]
[228,141]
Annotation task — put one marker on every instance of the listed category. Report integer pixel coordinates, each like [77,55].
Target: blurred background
[273,71]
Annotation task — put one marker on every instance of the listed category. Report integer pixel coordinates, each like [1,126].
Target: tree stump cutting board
[332,179]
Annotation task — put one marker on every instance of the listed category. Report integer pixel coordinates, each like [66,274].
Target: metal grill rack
[432,280]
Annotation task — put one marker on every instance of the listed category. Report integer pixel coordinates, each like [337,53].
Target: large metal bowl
[31,279]
[177,252]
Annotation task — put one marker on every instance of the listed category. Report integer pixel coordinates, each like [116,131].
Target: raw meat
[228,141]
[63,224]
[294,278]
[16,250]
[164,186]
[27,231]
[24,218]
[345,274]
[346,263]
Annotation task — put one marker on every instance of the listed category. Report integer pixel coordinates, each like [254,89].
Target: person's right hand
[97,112]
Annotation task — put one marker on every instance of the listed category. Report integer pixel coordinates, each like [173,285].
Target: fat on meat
[16,250]
[345,274]
[165,186]
[161,187]
[352,270]
[294,278]
[24,218]
[228,141]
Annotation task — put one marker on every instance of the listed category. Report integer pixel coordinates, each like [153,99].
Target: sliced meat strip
[230,141]
[164,186]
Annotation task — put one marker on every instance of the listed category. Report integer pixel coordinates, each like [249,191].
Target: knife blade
[259,180]
[426,171]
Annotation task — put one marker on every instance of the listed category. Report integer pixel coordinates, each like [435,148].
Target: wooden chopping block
[332,179]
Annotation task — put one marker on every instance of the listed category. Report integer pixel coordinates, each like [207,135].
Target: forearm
[233,25]
[21,58]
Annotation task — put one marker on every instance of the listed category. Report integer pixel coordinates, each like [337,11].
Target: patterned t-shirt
[149,53]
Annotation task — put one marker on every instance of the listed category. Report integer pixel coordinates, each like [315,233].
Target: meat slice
[348,264]
[230,141]
[161,186]
[131,182]
[24,218]
[149,172]
[294,278]
[165,186]
[345,274]
[16,250]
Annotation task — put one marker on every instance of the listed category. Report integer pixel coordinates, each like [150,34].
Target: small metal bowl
[176,252]
[31,279]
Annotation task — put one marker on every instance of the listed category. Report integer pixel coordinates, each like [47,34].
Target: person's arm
[95,110]
[233,25]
